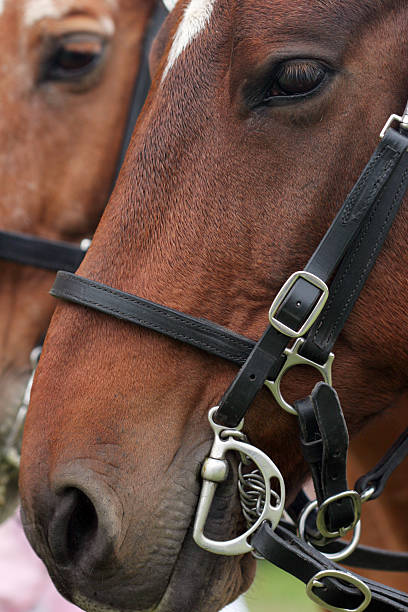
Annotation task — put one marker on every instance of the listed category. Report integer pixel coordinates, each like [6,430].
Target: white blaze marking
[195,18]
[2,2]
[35,10]
[169,4]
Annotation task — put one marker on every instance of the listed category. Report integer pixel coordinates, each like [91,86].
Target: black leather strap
[200,333]
[356,266]
[39,252]
[366,557]
[265,359]
[324,440]
[285,550]
[378,476]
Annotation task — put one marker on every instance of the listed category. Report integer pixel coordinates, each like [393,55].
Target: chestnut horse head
[69,68]
[261,117]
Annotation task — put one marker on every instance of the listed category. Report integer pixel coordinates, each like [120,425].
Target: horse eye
[296,78]
[73,57]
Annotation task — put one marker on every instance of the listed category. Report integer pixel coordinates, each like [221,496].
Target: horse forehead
[196,16]
[35,10]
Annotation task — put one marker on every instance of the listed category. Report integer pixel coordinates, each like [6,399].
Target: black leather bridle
[58,255]
[311,316]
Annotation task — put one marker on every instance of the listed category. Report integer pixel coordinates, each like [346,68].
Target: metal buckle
[277,302]
[366,494]
[215,470]
[321,515]
[345,577]
[390,121]
[293,359]
[338,556]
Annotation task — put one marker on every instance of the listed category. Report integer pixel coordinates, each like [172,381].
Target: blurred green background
[276,591]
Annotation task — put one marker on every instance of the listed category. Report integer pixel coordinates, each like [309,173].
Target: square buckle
[282,294]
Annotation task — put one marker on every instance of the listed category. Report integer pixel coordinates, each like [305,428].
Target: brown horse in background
[260,119]
[68,72]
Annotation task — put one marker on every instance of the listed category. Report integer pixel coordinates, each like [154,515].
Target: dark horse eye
[297,77]
[73,57]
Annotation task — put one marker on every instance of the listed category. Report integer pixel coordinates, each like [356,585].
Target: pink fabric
[24,582]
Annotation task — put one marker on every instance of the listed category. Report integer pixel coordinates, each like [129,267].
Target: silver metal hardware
[344,576]
[321,514]
[225,440]
[341,554]
[252,493]
[294,359]
[85,244]
[401,120]
[366,495]
[215,470]
[277,303]
[11,450]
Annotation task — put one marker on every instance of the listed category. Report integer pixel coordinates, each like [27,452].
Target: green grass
[277,591]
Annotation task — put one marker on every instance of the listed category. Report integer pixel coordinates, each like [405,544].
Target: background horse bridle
[306,312]
[58,255]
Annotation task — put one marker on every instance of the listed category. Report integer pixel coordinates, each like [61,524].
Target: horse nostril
[73,528]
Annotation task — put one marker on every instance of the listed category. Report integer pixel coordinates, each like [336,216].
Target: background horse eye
[296,78]
[73,57]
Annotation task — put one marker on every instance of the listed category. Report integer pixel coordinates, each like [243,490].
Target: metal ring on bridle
[338,556]
[354,498]
[344,576]
[294,359]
